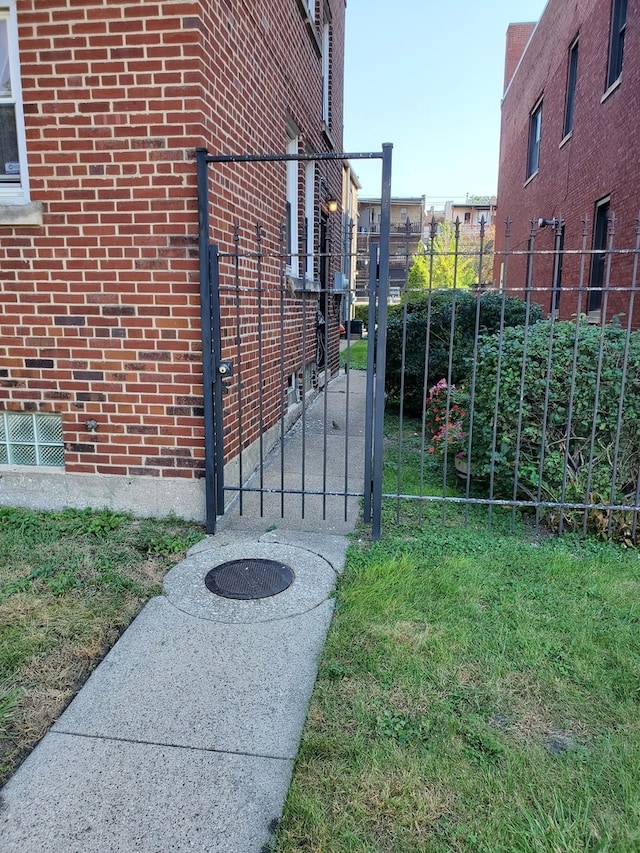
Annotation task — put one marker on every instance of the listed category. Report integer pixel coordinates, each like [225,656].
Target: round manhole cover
[248,579]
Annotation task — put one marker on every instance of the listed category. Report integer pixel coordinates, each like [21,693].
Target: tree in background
[448,259]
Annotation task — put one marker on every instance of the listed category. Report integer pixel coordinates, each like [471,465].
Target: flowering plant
[447,432]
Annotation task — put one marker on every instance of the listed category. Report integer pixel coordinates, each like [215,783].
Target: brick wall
[596,161]
[518,36]
[101,304]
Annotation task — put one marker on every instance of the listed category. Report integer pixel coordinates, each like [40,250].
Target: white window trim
[326,72]
[293,267]
[309,214]
[15,193]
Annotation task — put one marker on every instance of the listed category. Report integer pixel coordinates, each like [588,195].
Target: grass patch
[70,582]
[355,355]
[479,691]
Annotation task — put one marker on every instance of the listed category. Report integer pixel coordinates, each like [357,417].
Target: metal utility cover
[249,579]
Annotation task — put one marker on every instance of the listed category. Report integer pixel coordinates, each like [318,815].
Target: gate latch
[225,369]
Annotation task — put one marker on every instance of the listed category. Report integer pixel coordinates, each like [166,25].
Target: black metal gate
[275,295]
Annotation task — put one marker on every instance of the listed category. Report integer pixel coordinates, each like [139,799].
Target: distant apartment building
[407,226]
[569,173]
[472,213]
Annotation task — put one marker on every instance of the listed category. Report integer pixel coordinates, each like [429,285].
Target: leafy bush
[361,312]
[442,303]
[564,428]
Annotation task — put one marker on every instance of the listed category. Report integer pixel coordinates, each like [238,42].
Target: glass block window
[27,439]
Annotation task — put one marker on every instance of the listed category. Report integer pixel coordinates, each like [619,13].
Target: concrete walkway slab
[184,737]
[93,795]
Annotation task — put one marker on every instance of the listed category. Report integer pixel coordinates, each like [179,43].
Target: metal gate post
[381,341]
[205,325]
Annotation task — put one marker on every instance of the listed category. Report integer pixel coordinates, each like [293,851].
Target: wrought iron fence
[521,392]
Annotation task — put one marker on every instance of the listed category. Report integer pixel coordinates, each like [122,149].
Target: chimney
[518,36]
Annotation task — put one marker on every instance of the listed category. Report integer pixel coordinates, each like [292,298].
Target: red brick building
[102,105]
[568,155]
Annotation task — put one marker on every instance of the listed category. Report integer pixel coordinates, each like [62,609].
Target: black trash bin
[356,328]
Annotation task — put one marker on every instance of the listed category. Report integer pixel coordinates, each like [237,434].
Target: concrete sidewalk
[184,737]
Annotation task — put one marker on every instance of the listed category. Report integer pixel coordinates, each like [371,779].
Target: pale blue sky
[427,76]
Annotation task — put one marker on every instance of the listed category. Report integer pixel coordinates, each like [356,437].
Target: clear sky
[427,75]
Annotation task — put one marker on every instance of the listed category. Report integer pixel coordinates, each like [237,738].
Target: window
[535,131]
[598,259]
[27,439]
[13,173]
[616,45]
[311,8]
[292,208]
[326,74]
[572,79]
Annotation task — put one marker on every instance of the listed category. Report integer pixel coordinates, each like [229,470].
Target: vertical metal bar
[623,379]
[433,230]
[402,369]
[472,389]
[381,343]
[574,371]
[259,255]
[547,391]
[236,276]
[450,369]
[284,389]
[216,354]
[303,448]
[205,325]
[347,264]
[523,369]
[325,390]
[496,399]
[603,325]
[634,282]
[370,392]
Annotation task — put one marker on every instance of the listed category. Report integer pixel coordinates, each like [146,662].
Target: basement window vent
[27,439]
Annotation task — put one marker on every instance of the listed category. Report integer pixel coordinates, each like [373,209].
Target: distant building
[569,155]
[472,212]
[407,226]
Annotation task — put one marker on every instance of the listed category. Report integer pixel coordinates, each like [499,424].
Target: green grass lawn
[479,691]
[70,582]
[355,355]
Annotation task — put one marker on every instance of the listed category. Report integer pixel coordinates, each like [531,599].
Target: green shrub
[441,304]
[361,312]
[551,438]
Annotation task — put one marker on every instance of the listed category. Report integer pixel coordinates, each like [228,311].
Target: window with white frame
[13,159]
[535,135]
[616,40]
[292,210]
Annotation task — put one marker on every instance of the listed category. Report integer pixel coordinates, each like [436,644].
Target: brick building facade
[568,156]
[105,102]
